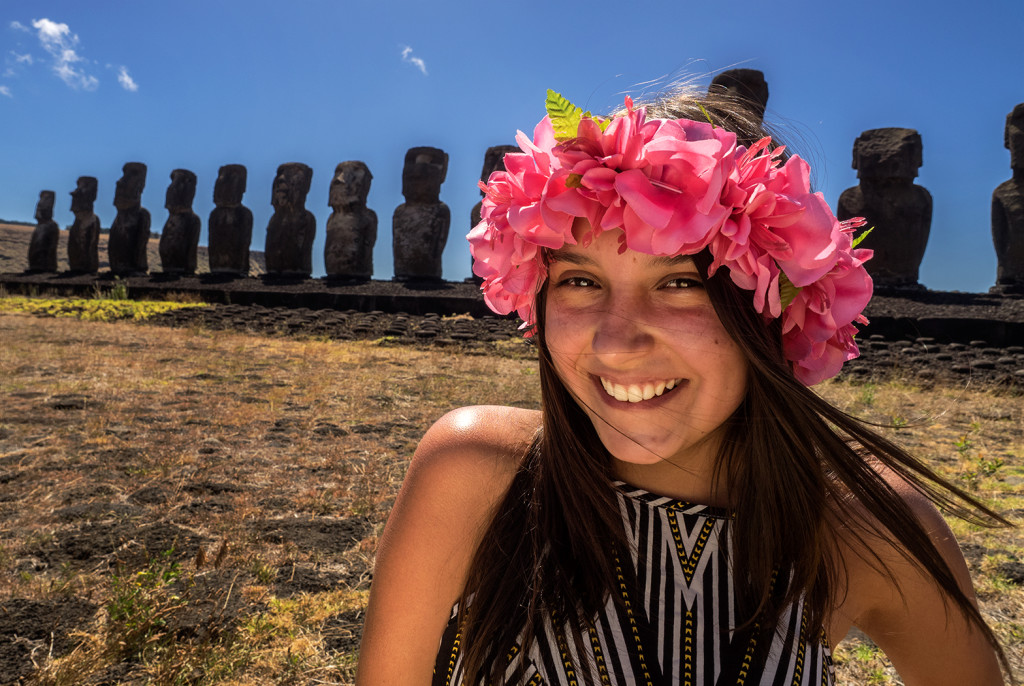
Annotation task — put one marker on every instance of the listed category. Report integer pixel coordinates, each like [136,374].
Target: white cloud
[417,62]
[4,90]
[126,81]
[22,59]
[18,26]
[58,40]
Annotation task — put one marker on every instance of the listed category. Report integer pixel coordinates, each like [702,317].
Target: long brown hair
[789,461]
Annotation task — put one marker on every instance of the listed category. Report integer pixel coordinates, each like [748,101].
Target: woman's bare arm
[461,469]
[923,633]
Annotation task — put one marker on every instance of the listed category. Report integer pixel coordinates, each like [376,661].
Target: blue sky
[195,84]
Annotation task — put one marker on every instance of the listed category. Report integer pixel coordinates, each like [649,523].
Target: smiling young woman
[638,344]
[683,508]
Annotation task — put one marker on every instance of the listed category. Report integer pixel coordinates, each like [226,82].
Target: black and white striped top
[675,624]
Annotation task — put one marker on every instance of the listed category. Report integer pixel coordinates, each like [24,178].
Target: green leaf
[706,115]
[862,236]
[787,291]
[565,117]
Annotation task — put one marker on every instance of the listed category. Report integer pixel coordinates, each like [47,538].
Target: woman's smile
[638,392]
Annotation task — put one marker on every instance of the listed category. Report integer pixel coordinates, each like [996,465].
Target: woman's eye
[579,282]
[684,282]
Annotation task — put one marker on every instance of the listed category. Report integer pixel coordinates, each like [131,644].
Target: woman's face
[636,340]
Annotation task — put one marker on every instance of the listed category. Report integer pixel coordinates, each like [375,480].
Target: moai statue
[179,240]
[420,224]
[230,223]
[129,234]
[84,234]
[290,233]
[1008,210]
[494,160]
[352,227]
[745,85]
[887,161]
[42,249]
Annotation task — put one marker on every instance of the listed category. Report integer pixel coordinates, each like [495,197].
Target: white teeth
[635,393]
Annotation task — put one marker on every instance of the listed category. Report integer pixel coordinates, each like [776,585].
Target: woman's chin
[634,450]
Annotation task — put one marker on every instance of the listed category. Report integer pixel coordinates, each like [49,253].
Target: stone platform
[415,298]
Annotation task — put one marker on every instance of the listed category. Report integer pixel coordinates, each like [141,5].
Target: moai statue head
[84,195]
[230,185]
[291,186]
[494,160]
[1013,138]
[890,153]
[746,85]
[181,192]
[128,191]
[350,185]
[424,172]
[44,208]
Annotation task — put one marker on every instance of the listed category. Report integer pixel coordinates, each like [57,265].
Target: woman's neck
[693,483]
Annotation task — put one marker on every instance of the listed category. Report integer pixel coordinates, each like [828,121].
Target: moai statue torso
[292,228]
[887,161]
[494,160]
[42,249]
[352,227]
[129,234]
[230,223]
[1008,209]
[179,240]
[745,85]
[420,224]
[84,234]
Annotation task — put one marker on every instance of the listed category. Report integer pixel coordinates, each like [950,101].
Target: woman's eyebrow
[576,258]
[666,261]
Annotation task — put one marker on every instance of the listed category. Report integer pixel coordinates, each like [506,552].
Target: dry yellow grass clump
[182,506]
[90,309]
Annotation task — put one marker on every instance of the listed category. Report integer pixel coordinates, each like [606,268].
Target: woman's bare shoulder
[866,537]
[478,441]
[465,463]
[484,427]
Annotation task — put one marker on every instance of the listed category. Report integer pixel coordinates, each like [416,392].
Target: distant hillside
[15,239]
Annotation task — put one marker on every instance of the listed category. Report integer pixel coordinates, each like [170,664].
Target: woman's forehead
[589,248]
[583,256]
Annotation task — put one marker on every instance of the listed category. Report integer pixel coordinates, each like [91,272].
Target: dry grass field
[186,506]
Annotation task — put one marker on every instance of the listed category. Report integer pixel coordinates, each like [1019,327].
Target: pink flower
[818,326]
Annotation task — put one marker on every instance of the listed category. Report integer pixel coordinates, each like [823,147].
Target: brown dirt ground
[264,468]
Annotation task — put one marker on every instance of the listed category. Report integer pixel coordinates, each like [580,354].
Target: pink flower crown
[676,187]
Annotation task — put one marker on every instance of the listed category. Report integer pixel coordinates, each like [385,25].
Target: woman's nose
[624,330]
